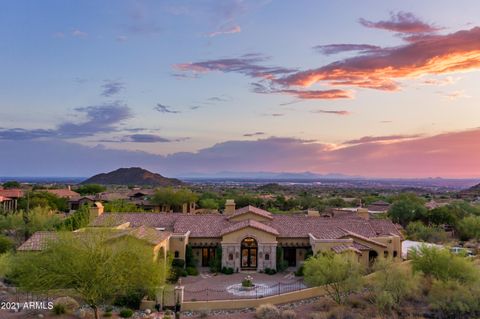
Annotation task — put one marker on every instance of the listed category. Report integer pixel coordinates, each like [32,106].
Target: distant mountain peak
[132,176]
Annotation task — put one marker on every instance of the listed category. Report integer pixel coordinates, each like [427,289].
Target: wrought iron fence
[237,292]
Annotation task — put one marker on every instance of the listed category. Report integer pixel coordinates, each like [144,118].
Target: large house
[250,238]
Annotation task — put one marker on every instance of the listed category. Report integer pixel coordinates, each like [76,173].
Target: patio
[209,286]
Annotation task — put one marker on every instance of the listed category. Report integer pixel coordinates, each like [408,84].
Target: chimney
[96,210]
[229,207]
[69,188]
[363,213]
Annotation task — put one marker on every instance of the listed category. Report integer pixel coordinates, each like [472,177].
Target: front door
[249,253]
[290,256]
[208,254]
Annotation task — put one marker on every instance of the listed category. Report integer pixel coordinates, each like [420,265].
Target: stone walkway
[208,286]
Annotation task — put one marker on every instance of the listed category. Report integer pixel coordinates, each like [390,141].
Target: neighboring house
[9,199]
[378,207]
[251,237]
[62,193]
[7,205]
[76,202]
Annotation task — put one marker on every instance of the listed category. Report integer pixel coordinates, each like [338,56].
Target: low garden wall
[252,303]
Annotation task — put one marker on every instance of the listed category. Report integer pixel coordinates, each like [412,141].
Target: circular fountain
[249,289]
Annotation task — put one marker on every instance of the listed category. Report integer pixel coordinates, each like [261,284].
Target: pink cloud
[231,30]
[403,22]
[440,54]
[387,138]
[341,113]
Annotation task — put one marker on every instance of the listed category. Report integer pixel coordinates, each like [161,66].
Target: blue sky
[160,80]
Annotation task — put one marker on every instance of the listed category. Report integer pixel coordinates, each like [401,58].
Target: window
[385,254]
[395,254]
[230,256]
[267,256]
[177,254]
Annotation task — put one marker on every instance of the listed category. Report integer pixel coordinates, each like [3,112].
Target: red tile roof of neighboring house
[38,241]
[250,223]
[62,192]
[251,209]
[12,193]
[2,198]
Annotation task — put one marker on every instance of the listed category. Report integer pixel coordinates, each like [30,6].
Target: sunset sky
[371,88]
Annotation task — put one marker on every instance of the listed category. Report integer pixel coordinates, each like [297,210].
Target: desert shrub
[267,311]
[192,271]
[130,299]
[289,314]
[341,313]
[227,270]
[203,313]
[6,244]
[317,315]
[339,273]
[126,313]
[391,284]
[450,299]
[270,271]
[443,265]
[107,314]
[69,303]
[469,228]
[299,272]
[59,309]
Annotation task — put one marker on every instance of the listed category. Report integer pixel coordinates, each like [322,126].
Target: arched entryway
[249,249]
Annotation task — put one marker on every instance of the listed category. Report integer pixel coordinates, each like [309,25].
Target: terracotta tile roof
[287,226]
[110,196]
[150,235]
[62,192]
[38,241]
[342,248]
[252,209]
[12,193]
[2,198]
[208,225]
[137,219]
[250,223]
[359,246]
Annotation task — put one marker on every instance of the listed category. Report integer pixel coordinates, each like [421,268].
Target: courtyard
[208,286]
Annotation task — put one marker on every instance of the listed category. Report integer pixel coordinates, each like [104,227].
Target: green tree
[441,264]
[90,189]
[90,263]
[23,224]
[339,273]
[121,206]
[404,211]
[208,203]
[11,184]
[469,228]
[419,231]
[43,199]
[173,198]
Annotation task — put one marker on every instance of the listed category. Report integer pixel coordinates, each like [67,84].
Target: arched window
[177,254]
[267,256]
[230,256]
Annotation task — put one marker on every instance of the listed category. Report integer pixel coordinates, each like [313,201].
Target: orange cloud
[379,69]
